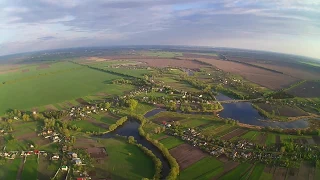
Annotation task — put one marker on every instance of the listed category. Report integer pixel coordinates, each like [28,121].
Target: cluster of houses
[50,134]
[78,112]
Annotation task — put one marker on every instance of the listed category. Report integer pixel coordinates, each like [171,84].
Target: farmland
[74,108]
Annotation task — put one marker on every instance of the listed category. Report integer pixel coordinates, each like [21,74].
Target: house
[64,168]
[34,112]
[55,157]
[74,155]
[78,161]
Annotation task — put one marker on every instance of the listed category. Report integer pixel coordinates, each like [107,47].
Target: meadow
[54,86]
[125,161]
[9,169]
[171,142]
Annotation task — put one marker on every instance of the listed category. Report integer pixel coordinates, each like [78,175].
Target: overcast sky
[289,26]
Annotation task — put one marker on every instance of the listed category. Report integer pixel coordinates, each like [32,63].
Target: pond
[245,113]
[130,128]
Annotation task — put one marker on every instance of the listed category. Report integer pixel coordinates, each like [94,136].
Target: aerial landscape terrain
[159,112]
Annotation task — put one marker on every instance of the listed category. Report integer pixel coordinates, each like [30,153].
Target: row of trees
[118,123]
[157,162]
[174,171]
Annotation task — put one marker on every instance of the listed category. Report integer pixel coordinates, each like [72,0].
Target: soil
[292,173]
[166,119]
[280,173]
[261,139]
[160,63]
[25,70]
[97,152]
[316,139]
[278,141]
[97,123]
[237,132]
[163,137]
[186,155]
[307,90]
[257,75]
[43,66]
[51,108]
[84,143]
[82,101]
[306,171]
[27,136]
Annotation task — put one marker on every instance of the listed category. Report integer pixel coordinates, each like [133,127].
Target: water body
[245,113]
[130,128]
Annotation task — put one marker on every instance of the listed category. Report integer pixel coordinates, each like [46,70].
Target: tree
[9,121]
[132,104]
[299,132]
[25,117]
[112,127]
[131,139]
[282,149]
[107,105]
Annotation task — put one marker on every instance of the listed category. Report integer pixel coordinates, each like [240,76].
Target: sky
[287,26]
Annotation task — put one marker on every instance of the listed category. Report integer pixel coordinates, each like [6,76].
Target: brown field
[84,143]
[187,155]
[44,170]
[97,152]
[27,136]
[278,140]
[261,139]
[237,132]
[163,137]
[316,139]
[82,101]
[310,141]
[171,63]
[308,89]
[97,59]
[306,171]
[280,173]
[25,70]
[259,76]
[193,56]
[97,123]
[284,110]
[51,108]
[166,119]
[43,66]
[292,173]
[293,70]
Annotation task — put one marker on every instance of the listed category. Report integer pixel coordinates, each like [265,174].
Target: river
[130,128]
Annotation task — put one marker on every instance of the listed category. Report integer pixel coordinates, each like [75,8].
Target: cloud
[107,22]
[46,38]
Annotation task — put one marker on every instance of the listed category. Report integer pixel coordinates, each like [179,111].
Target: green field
[251,135]
[38,90]
[163,54]
[131,72]
[122,165]
[266,176]
[237,172]
[271,139]
[30,169]
[206,168]
[257,172]
[87,126]
[171,142]
[9,169]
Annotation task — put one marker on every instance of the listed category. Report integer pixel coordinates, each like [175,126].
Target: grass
[266,176]
[257,172]
[311,63]
[206,168]
[30,168]
[105,118]
[122,165]
[86,126]
[40,90]
[271,139]
[171,142]
[9,169]
[237,172]
[251,135]
[132,72]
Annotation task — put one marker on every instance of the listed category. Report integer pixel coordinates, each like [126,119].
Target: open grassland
[257,172]
[30,168]
[171,142]
[9,169]
[87,126]
[206,168]
[271,139]
[47,168]
[40,90]
[125,161]
[105,118]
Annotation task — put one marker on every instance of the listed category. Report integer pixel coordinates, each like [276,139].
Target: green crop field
[237,172]
[163,54]
[271,139]
[24,92]
[266,176]
[251,135]
[171,142]
[206,168]
[9,169]
[125,161]
[257,172]
[30,168]
[105,118]
[87,126]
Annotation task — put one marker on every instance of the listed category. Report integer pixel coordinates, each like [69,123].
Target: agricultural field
[309,89]
[206,168]
[186,155]
[9,169]
[30,168]
[171,142]
[238,172]
[75,82]
[282,110]
[162,54]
